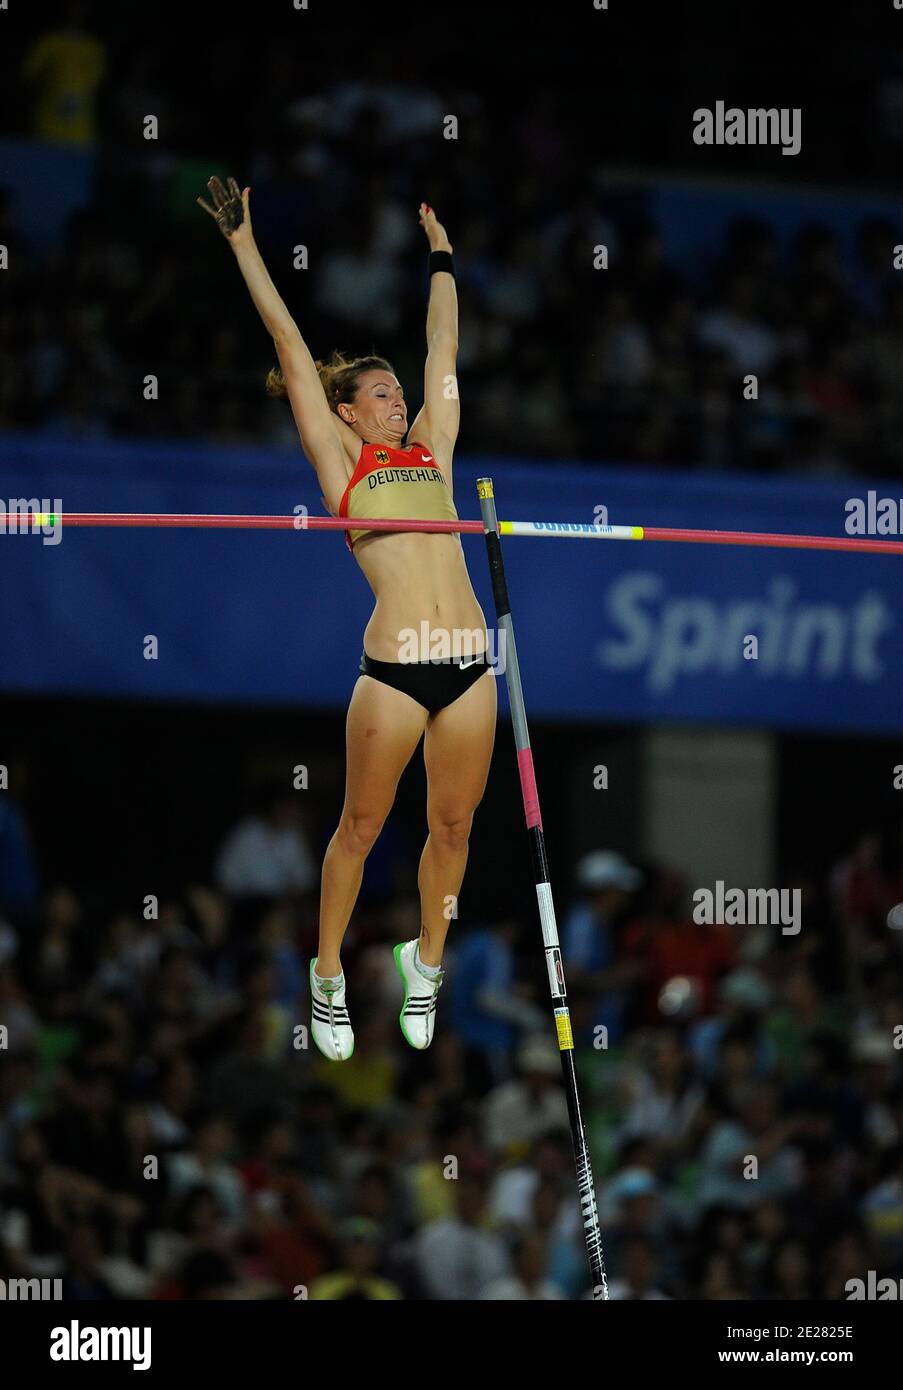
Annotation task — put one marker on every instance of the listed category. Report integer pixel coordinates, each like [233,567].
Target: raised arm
[437,424]
[319,428]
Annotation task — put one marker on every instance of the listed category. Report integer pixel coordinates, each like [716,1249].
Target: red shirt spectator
[679,946]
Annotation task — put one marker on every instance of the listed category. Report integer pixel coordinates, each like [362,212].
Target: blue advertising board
[606,630]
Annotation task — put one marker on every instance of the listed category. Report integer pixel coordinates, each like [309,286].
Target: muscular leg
[457,750]
[383,728]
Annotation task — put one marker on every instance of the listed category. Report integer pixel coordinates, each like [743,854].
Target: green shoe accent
[316,1044]
[438,980]
[397,954]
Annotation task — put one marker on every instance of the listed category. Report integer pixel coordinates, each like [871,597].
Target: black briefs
[433,684]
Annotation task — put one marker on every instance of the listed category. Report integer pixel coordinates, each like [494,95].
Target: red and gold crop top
[396,483]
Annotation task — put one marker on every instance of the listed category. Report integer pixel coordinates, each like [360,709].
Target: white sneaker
[330,1024]
[418,1012]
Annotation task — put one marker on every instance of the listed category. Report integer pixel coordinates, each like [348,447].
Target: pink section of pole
[528,787]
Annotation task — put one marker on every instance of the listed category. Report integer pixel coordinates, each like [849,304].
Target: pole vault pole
[585,1186]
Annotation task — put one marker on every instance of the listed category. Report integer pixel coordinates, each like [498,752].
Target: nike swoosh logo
[463,665]
[426,458]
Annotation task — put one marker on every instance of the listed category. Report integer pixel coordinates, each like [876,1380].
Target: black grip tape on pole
[497,574]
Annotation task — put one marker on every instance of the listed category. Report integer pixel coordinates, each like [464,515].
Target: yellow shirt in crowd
[66,70]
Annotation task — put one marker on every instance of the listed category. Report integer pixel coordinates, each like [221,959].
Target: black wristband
[442,260]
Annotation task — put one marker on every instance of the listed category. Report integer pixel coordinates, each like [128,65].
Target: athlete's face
[378,411]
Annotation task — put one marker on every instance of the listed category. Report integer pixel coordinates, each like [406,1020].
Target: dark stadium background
[122,796]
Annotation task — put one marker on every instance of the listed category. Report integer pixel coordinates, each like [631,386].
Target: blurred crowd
[644,361]
[168,1131]
[167,1128]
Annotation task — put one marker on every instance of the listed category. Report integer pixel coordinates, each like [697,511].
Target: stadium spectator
[65,69]
[457,1257]
[267,854]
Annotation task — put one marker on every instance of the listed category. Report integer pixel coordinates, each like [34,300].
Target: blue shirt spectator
[19,884]
[486,1009]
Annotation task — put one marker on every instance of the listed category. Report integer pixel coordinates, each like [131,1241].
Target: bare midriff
[425,603]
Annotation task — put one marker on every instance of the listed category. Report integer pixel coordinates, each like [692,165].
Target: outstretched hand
[230,208]
[435,232]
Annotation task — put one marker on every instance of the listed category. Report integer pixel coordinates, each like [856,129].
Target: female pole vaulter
[352,418]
